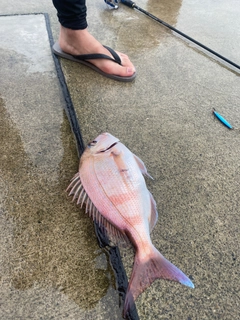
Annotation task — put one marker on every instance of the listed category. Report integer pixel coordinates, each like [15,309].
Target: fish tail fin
[145,271]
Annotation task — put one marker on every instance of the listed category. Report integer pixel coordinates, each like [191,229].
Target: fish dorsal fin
[154,214]
[76,189]
[141,166]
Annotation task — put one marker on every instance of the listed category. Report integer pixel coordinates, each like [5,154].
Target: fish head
[101,144]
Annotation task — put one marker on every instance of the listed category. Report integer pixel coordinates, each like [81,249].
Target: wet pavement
[51,266]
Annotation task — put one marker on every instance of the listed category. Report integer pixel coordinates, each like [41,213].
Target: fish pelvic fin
[145,271]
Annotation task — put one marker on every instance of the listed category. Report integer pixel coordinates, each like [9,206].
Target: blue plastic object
[224,121]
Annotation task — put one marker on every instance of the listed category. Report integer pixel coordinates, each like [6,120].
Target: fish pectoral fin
[120,163]
[153,214]
[145,272]
[142,167]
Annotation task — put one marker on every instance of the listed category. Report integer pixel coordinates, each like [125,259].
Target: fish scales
[118,177]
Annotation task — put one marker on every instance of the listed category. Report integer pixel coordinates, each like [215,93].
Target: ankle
[72,41]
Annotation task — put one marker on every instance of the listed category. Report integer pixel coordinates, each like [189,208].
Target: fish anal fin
[153,214]
[146,271]
[116,236]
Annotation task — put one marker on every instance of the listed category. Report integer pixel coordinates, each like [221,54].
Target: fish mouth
[110,147]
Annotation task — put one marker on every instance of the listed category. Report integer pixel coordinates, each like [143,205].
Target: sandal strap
[91,56]
[114,54]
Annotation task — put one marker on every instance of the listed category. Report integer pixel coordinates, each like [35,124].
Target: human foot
[78,42]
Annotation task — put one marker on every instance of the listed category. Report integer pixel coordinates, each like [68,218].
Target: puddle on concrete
[51,265]
[213,23]
[34,55]
[165,118]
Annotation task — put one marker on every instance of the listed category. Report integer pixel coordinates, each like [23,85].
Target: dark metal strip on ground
[69,108]
[113,251]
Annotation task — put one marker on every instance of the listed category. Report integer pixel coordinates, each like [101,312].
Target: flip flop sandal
[83,57]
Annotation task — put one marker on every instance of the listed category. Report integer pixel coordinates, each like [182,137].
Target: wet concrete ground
[51,266]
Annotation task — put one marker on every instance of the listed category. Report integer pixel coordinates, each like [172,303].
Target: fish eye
[92,143]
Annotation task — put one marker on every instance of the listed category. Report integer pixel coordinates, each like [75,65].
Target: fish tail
[145,271]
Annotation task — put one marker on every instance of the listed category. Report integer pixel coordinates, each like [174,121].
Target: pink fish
[110,183]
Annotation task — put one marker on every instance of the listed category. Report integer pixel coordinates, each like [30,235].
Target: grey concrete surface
[51,266]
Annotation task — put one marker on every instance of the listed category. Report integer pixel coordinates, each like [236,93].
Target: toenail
[130,70]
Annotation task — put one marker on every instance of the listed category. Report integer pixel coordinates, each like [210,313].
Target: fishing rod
[133,5]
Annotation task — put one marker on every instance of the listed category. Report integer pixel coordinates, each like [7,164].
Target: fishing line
[133,5]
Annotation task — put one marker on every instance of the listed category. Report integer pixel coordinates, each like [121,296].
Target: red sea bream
[110,183]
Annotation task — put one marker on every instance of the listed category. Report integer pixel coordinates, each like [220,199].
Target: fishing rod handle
[129,3]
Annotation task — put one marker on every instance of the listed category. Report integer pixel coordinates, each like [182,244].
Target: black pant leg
[72,14]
